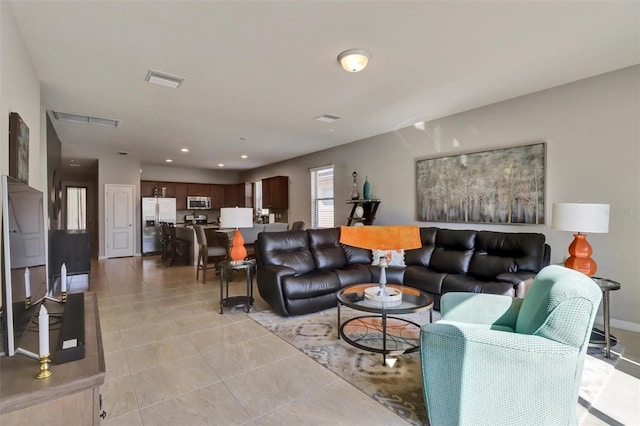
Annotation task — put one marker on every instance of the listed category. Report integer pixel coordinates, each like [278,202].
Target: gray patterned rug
[399,388]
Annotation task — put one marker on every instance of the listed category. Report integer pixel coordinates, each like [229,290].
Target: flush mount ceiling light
[168,160]
[354,60]
[244,156]
[164,79]
[87,119]
[185,150]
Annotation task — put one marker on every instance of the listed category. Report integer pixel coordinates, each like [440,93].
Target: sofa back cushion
[357,255]
[422,256]
[290,248]
[326,248]
[498,252]
[453,251]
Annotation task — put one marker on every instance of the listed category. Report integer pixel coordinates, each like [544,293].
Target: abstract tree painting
[498,186]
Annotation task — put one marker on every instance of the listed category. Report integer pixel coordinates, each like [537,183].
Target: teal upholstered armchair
[498,360]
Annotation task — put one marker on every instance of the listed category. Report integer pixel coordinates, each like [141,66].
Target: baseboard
[624,325]
[102,257]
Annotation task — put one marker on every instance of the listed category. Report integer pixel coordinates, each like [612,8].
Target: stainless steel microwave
[198,203]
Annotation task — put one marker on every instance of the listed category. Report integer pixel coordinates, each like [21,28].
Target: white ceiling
[265,70]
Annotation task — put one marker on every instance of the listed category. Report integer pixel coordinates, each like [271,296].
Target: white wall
[189,175]
[592,132]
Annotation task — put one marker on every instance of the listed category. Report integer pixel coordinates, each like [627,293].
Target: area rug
[399,388]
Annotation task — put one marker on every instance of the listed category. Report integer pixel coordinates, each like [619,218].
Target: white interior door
[119,220]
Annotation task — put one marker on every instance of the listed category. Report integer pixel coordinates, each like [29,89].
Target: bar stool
[177,248]
[214,247]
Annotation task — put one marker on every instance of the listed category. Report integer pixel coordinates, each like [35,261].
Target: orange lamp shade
[238,251]
[580,259]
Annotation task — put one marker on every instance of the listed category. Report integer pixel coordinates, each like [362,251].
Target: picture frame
[500,186]
[18,148]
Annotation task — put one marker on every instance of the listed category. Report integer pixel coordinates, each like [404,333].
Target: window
[322,197]
[76,208]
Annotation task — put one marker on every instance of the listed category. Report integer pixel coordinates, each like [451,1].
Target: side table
[599,338]
[226,270]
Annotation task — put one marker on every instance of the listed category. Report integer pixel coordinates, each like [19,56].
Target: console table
[599,338]
[70,396]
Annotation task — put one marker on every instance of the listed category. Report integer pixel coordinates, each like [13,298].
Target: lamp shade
[236,217]
[580,217]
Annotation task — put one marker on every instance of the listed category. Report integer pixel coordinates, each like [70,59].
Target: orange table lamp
[581,218]
[236,217]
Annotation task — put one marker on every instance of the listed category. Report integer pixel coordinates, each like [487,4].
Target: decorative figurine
[355,194]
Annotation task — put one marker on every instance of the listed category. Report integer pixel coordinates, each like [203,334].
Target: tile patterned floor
[172,359]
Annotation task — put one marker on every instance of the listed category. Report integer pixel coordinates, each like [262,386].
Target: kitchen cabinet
[234,195]
[199,189]
[181,196]
[217,195]
[275,192]
[148,188]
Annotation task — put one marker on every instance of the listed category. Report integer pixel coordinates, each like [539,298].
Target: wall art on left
[18,148]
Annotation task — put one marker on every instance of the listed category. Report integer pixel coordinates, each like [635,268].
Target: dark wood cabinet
[199,189]
[275,192]
[148,188]
[234,195]
[217,195]
[181,196]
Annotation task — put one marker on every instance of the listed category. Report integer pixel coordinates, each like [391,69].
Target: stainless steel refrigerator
[154,211]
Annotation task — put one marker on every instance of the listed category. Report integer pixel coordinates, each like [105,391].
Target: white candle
[27,283]
[63,278]
[43,330]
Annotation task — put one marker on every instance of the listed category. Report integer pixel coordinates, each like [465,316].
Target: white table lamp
[237,217]
[581,218]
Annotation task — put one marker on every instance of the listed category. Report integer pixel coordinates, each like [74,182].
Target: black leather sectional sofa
[300,272]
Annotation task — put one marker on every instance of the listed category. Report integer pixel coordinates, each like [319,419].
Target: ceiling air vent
[328,118]
[80,118]
[164,79]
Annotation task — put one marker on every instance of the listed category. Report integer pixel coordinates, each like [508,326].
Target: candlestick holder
[44,367]
[27,302]
[64,297]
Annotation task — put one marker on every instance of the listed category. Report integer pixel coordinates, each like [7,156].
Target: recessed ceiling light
[244,156]
[242,138]
[220,165]
[86,119]
[328,118]
[169,160]
[123,153]
[185,150]
[164,79]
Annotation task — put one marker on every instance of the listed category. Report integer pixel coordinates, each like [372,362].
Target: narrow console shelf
[369,209]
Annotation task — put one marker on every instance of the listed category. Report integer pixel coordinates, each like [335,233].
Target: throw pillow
[394,257]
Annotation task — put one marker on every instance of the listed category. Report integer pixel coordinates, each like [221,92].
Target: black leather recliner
[300,272]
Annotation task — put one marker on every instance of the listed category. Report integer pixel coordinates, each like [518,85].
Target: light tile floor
[172,359]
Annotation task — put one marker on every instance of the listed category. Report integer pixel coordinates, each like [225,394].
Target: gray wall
[593,151]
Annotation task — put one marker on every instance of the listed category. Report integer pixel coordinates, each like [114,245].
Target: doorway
[119,213]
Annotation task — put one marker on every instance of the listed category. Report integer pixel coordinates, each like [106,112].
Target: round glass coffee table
[380,332]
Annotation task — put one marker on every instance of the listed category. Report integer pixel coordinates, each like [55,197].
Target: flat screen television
[24,262]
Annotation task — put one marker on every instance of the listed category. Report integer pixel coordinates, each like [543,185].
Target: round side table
[226,269]
[599,338]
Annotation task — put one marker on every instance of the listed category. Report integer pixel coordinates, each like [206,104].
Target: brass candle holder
[44,367]
[27,302]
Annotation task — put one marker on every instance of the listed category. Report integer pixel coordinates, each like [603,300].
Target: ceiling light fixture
[164,79]
[243,156]
[354,60]
[328,118]
[220,165]
[169,160]
[185,150]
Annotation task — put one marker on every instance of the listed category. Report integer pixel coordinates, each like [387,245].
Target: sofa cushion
[419,257]
[310,285]
[498,252]
[424,279]
[354,274]
[355,255]
[326,249]
[469,284]
[289,249]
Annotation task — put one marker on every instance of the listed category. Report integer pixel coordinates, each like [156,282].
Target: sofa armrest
[270,286]
[465,367]
[480,308]
[520,280]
